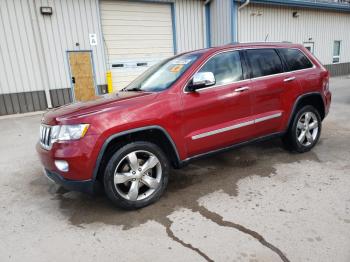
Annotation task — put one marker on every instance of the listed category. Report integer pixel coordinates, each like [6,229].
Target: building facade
[55,52]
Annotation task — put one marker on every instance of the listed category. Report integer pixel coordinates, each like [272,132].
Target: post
[109,81]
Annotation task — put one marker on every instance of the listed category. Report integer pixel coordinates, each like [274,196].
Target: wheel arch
[315,99]
[155,134]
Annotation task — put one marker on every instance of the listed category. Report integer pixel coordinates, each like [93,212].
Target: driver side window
[226,68]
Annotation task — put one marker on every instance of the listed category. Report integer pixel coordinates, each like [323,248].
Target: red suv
[186,107]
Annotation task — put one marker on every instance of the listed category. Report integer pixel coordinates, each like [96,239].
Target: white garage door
[136,36]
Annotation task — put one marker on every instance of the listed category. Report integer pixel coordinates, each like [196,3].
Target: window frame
[283,64]
[286,64]
[243,66]
[336,56]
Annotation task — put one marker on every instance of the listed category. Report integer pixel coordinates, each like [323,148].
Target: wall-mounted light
[46,10]
[296,14]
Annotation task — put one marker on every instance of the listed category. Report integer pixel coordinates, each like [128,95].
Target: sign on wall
[93,39]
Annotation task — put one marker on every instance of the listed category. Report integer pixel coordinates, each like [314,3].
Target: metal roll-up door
[137,35]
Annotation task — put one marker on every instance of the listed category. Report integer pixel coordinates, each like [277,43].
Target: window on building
[336,52]
[264,62]
[296,60]
[226,68]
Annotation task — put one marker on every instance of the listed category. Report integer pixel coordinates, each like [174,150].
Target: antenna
[266,37]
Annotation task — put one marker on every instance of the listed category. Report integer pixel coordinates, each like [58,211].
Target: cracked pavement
[256,203]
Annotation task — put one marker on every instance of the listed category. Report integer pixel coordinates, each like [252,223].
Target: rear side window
[226,67]
[264,62]
[295,59]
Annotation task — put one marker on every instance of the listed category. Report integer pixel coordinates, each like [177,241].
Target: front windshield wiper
[136,89]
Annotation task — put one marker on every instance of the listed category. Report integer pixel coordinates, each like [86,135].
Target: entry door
[82,75]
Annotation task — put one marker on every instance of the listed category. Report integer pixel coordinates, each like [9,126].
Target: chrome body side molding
[236,126]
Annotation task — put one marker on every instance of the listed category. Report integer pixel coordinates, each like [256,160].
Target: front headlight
[68,132]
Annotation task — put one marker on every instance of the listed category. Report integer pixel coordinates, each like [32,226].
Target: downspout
[206,24]
[247,2]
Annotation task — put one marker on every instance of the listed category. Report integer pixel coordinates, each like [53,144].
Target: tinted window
[264,62]
[226,67]
[295,59]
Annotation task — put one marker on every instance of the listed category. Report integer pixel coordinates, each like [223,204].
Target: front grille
[45,136]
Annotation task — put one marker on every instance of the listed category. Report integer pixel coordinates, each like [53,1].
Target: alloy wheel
[138,175]
[307,128]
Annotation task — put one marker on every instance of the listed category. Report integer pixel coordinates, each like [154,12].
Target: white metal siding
[135,32]
[20,64]
[220,16]
[323,27]
[71,23]
[33,47]
[190,30]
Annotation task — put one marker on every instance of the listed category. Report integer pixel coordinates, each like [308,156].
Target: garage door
[136,35]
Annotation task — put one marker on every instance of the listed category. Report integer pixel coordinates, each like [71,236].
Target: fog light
[62,165]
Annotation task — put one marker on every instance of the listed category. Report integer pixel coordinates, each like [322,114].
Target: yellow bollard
[109,81]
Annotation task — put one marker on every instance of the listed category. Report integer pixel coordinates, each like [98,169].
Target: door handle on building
[242,89]
[289,79]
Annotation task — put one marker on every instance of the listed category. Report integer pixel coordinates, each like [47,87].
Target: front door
[82,75]
[219,115]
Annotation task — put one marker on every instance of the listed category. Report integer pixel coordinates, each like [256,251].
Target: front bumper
[85,186]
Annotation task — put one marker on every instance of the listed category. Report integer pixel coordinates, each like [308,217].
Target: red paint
[184,115]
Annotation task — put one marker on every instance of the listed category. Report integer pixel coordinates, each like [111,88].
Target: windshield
[162,75]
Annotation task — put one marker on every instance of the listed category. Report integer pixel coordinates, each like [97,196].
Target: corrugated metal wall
[318,26]
[220,16]
[190,30]
[68,29]
[33,50]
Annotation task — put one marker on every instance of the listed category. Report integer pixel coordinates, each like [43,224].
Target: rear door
[219,115]
[269,89]
[301,69]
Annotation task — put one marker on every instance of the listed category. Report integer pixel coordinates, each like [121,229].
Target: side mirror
[201,80]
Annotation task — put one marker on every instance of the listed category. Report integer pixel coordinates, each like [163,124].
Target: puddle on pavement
[186,186]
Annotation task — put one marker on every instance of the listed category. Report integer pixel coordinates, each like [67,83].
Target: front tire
[136,175]
[304,132]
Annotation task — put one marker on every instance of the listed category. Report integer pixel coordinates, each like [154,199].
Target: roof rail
[262,42]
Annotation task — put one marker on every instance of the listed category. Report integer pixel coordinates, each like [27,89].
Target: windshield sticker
[181,61]
[176,68]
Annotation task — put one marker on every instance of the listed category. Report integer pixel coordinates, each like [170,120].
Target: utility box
[102,89]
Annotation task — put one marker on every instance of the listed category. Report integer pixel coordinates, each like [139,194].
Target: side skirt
[228,148]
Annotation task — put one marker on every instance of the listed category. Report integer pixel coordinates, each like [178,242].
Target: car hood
[100,104]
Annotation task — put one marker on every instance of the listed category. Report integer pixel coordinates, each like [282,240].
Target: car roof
[247,45]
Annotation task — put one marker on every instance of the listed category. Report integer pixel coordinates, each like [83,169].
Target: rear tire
[136,175]
[304,131]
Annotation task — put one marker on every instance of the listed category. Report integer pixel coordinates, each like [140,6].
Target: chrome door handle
[242,89]
[289,79]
